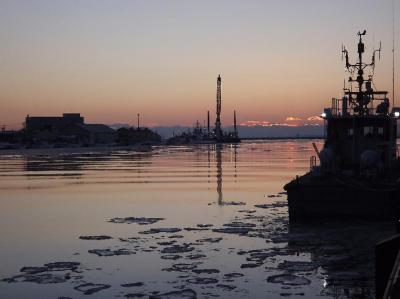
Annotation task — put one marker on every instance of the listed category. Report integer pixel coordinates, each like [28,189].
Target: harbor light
[396,112]
[327,113]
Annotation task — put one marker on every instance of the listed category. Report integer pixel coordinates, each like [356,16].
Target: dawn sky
[109,60]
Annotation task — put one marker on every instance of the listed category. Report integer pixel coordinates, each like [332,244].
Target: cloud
[314,118]
[290,121]
[254,123]
[283,125]
[264,123]
[292,118]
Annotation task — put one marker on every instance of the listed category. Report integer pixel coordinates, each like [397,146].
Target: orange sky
[277,59]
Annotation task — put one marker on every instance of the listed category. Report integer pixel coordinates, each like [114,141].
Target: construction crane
[218,130]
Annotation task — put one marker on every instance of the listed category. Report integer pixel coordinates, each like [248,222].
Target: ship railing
[335,108]
[338,113]
[339,107]
[313,162]
[392,287]
[342,107]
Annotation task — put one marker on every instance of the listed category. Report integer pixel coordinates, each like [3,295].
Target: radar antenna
[365,92]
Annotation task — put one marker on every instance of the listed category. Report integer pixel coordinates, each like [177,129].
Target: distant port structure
[202,134]
[70,130]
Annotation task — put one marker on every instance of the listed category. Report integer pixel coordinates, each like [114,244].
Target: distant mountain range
[270,131]
[278,131]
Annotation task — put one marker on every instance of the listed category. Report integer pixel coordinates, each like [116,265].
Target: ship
[205,135]
[357,172]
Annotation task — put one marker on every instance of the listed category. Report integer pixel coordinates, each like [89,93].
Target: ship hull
[333,198]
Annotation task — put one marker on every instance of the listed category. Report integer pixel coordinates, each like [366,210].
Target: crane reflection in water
[218,163]
[218,156]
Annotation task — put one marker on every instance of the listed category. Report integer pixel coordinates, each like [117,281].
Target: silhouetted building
[52,123]
[91,133]
[68,128]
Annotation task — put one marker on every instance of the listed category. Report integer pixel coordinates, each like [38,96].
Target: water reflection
[218,162]
[46,166]
[218,156]
[209,162]
[177,184]
[344,251]
[235,146]
[79,165]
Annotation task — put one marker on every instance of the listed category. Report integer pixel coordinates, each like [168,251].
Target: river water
[207,221]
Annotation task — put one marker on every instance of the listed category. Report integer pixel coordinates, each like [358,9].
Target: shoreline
[73,150]
[112,148]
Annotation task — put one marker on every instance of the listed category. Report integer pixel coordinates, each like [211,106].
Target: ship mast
[393,9]
[364,95]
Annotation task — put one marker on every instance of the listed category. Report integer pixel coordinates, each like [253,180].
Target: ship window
[350,132]
[380,131]
[368,131]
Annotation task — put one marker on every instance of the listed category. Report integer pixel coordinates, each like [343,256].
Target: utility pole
[208,124]
[234,124]
[138,121]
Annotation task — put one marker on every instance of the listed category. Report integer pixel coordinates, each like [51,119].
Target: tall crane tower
[218,130]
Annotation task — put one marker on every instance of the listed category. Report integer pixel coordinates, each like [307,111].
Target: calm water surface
[48,201]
